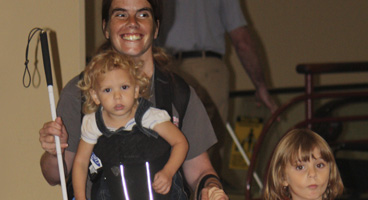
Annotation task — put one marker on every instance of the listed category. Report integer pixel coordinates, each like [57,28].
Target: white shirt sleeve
[154,116]
[90,131]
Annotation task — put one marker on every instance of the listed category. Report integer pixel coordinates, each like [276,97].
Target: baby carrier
[130,160]
[172,90]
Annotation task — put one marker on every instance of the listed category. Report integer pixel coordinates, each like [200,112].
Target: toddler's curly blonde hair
[105,62]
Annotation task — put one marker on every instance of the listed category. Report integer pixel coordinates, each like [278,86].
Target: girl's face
[131,28]
[307,180]
[117,92]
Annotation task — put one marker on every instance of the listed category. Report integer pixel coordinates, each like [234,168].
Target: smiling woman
[130,26]
[303,167]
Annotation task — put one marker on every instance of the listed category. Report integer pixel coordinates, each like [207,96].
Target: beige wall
[24,110]
[294,32]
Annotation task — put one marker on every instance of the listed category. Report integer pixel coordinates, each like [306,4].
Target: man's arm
[248,57]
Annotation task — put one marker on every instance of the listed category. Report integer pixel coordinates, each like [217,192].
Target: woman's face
[131,28]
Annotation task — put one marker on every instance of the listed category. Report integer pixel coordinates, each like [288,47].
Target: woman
[130,26]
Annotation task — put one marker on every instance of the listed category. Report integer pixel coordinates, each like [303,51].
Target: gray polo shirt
[190,25]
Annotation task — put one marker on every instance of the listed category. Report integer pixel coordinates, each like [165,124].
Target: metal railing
[312,93]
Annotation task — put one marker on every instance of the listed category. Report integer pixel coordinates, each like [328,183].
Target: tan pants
[210,78]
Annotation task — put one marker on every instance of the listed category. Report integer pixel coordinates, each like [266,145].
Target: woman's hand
[48,133]
[213,193]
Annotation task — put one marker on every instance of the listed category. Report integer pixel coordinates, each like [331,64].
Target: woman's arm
[49,162]
[195,170]
[80,169]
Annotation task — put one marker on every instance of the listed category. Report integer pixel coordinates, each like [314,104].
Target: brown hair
[105,62]
[299,144]
[155,4]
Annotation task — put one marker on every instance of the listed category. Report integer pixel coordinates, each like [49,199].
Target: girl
[303,167]
[118,128]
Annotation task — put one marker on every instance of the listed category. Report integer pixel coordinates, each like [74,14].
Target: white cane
[47,66]
[242,152]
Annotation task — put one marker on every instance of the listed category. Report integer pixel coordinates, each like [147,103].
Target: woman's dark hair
[155,4]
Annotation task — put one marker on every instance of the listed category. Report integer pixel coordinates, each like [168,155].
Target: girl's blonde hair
[298,145]
[104,62]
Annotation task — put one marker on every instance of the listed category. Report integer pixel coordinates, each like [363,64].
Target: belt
[196,54]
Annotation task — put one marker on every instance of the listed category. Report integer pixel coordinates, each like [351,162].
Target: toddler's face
[309,179]
[117,92]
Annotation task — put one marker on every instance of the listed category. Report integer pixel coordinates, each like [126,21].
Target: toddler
[124,132]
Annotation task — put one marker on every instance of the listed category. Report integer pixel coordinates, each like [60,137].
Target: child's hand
[162,182]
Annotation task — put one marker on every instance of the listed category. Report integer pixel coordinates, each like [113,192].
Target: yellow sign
[247,131]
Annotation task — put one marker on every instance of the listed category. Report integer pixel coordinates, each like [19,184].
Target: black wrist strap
[203,182]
